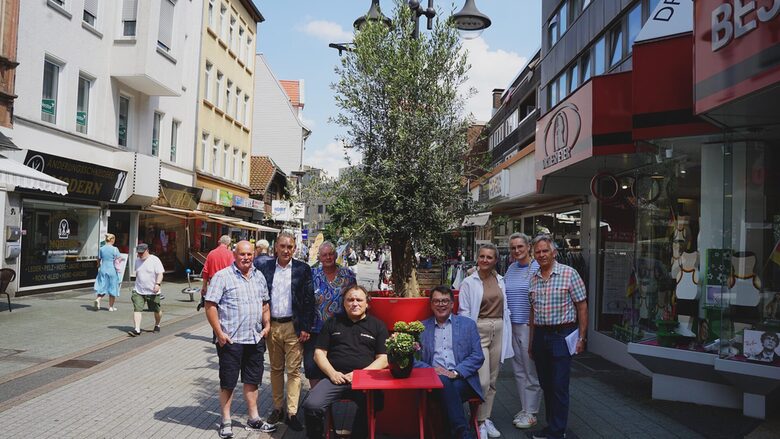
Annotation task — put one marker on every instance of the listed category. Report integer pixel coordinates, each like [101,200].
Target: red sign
[736,49]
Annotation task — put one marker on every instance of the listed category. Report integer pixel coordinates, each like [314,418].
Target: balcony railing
[522,135]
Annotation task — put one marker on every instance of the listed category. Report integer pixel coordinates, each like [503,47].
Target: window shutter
[129,9]
[165,35]
[91,7]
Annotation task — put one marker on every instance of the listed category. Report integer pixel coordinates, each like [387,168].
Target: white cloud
[326,31]
[489,69]
[331,158]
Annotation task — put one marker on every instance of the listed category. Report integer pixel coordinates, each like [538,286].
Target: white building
[107,102]
[279,131]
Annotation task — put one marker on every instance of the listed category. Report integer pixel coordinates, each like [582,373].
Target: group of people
[146,290]
[318,318]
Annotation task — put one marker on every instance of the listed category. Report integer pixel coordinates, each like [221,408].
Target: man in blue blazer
[450,344]
[292,316]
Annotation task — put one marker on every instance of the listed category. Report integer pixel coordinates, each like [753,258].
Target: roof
[249,5]
[293,90]
[261,173]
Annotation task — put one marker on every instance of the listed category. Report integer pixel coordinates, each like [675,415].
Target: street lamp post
[469,21]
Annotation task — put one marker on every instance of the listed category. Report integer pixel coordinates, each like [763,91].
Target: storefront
[61,236]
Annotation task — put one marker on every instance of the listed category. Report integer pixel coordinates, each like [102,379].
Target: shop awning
[16,174]
[258,227]
[239,223]
[179,213]
[479,219]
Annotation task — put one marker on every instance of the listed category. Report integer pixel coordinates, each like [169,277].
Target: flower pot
[401,368]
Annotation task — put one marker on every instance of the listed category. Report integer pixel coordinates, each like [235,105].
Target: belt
[281,319]
[556,328]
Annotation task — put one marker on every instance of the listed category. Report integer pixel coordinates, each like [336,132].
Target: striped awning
[16,174]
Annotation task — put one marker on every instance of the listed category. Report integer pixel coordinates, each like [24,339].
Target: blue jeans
[553,364]
[453,394]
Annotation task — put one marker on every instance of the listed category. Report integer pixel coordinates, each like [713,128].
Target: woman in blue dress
[329,281]
[107,281]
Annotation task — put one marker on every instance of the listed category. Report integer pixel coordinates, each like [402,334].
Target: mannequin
[744,283]
[688,276]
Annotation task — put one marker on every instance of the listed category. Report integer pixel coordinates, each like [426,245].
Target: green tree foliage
[399,101]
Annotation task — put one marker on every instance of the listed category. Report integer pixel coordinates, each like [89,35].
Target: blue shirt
[240,302]
[518,280]
[327,295]
[443,354]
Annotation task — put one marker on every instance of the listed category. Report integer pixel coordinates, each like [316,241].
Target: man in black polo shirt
[350,341]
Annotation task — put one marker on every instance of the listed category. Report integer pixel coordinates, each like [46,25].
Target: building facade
[663,114]
[279,129]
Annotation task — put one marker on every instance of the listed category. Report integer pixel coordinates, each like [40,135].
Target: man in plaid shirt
[558,307]
[238,312]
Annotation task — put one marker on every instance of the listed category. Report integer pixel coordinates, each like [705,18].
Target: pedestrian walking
[107,281]
[238,312]
[558,308]
[329,280]
[216,260]
[483,299]
[148,281]
[517,281]
[292,315]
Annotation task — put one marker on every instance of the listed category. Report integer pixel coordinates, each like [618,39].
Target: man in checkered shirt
[558,308]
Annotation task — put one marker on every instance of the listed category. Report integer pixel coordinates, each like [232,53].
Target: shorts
[244,358]
[310,368]
[152,301]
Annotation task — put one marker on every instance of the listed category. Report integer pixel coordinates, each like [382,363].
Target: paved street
[165,385]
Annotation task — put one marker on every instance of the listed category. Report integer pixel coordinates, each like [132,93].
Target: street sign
[305,234]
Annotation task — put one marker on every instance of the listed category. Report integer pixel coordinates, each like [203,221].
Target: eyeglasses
[441,301]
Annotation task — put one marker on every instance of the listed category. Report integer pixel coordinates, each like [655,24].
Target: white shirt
[146,272]
[281,292]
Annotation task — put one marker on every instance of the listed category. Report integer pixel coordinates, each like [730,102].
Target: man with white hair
[261,254]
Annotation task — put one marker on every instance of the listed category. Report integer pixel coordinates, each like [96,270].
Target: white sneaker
[492,431]
[97,304]
[518,415]
[483,431]
[111,308]
[527,420]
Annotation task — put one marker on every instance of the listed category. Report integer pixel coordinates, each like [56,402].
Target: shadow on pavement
[189,336]
[14,306]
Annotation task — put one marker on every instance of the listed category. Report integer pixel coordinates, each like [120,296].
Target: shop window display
[166,237]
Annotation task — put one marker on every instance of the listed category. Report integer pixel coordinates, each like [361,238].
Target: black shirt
[352,345]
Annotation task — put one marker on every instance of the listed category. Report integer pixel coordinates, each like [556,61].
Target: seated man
[450,344]
[347,342]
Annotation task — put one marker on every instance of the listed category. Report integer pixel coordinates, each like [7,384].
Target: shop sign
[225,198]
[41,274]
[63,230]
[85,180]
[498,185]
[735,49]
[561,134]
[180,196]
[670,17]
[211,208]
[280,210]
[258,204]
[247,203]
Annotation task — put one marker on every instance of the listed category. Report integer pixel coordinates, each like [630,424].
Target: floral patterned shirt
[327,295]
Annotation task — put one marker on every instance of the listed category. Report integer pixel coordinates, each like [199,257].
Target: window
[236,163]
[207,82]
[558,23]
[165,29]
[320,208]
[156,134]
[124,120]
[204,151]
[211,16]
[574,78]
[562,87]
[218,94]
[634,25]
[223,23]
[243,169]
[563,14]
[616,45]
[90,12]
[599,57]
[174,139]
[215,155]
[552,31]
[51,78]
[59,2]
[237,110]
[228,94]
[241,47]
[585,66]
[129,11]
[82,105]
[232,34]
[246,110]
[249,51]
[226,161]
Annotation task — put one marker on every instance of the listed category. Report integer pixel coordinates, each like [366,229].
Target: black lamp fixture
[469,21]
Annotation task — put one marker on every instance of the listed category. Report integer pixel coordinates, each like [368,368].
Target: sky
[295,35]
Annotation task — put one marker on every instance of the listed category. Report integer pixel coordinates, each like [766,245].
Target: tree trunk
[404,270]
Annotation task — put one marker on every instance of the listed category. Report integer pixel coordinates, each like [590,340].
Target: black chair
[7,276]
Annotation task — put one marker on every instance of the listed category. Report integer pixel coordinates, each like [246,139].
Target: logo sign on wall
[63,230]
[280,210]
[561,134]
[498,185]
[85,180]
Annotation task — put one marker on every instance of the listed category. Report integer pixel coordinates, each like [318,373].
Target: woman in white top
[482,298]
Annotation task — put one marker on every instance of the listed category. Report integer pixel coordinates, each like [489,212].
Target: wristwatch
[457,375]
[158,284]
[583,339]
